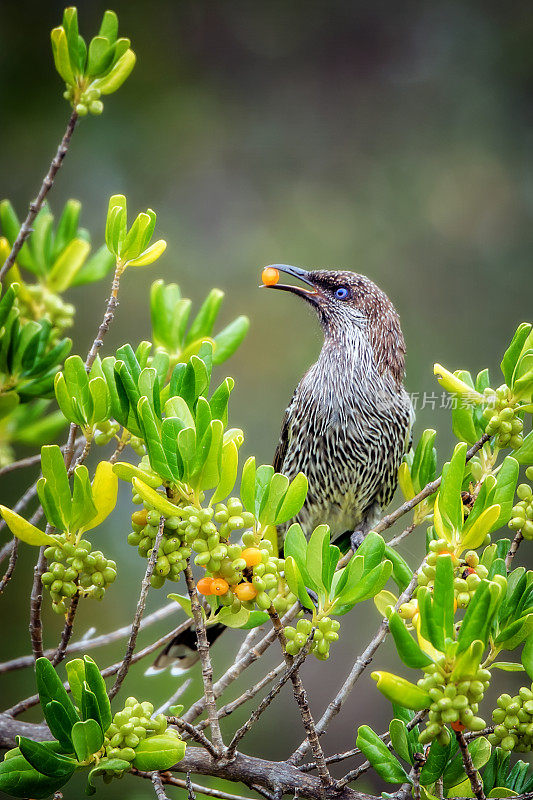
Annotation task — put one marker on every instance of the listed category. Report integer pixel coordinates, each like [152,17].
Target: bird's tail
[182,652]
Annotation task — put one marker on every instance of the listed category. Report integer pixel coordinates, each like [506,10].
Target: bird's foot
[356,540]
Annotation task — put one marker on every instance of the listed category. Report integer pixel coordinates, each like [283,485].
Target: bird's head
[350,304]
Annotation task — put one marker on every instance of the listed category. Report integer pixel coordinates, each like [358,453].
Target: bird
[349,421]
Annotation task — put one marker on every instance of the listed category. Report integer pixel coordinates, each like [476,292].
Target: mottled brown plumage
[348,423]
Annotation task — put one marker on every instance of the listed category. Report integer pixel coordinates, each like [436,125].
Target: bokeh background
[390,138]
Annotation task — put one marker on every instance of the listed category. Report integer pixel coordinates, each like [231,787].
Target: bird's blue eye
[342,293]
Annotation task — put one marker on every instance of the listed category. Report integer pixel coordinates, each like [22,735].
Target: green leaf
[255,619]
[524,454]
[515,633]
[248,485]
[527,656]
[152,438]
[513,352]
[383,761]
[83,507]
[229,339]
[408,649]
[156,500]
[19,779]
[293,500]
[507,666]
[437,759]
[55,474]
[76,677]
[116,76]
[106,766]
[296,583]
[399,737]
[229,468]
[59,723]
[371,584]
[51,764]
[273,498]
[61,55]
[400,691]
[157,753]
[97,686]
[67,265]
[233,619]
[450,504]
[50,687]
[204,321]
[87,738]
[443,596]
[317,557]
[184,602]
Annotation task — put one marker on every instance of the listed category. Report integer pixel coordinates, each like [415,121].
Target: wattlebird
[348,423]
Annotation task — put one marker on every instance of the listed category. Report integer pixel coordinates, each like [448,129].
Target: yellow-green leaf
[24,530]
[150,255]
[105,489]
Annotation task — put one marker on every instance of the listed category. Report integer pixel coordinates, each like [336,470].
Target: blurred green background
[389,138]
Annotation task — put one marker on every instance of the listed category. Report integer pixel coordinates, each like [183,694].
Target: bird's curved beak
[302,274]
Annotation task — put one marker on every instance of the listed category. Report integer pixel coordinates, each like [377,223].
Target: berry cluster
[49,305]
[454,703]
[522,513]
[107,429]
[468,573]
[326,631]
[502,419]
[130,726]
[172,554]
[514,721]
[75,569]
[88,101]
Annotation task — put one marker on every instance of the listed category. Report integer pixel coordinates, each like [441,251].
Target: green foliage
[90,72]
[86,735]
[131,247]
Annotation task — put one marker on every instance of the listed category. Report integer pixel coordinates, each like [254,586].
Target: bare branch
[67,631]
[35,205]
[158,786]
[357,670]
[403,535]
[515,544]
[11,565]
[205,658]
[141,605]
[300,696]
[264,704]
[170,780]
[36,601]
[194,733]
[85,643]
[471,771]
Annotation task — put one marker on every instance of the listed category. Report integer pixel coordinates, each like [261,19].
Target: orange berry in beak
[270,276]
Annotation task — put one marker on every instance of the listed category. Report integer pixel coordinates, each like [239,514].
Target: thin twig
[11,565]
[158,786]
[300,696]
[238,667]
[59,654]
[429,489]
[357,670]
[205,658]
[29,702]
[36,601]
[403,535]
[36,204]
[141,604]
[194,733]
[264,704]
[471,771]
[249,694]
[515,544]
[248,641]
[22,463]
[170,780]
[86,643]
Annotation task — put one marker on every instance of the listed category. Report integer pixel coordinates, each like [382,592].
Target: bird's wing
[284,438]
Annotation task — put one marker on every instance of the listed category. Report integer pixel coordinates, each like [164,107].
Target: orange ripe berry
[252,556]
[245,591]
[205,586]
[454,604]
[270,276]
[139,517]
[219,586]
[457,726]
